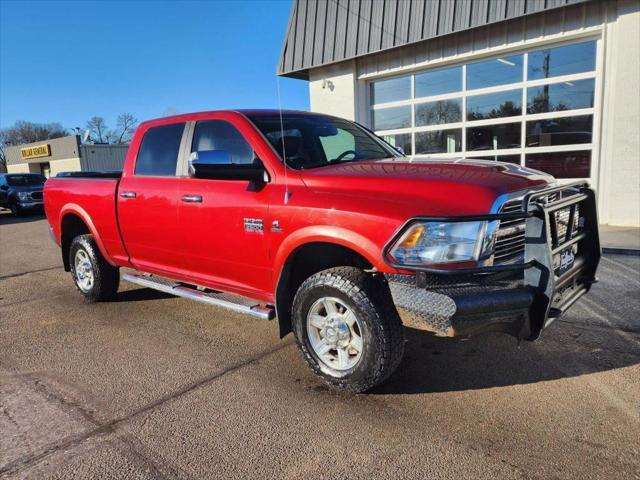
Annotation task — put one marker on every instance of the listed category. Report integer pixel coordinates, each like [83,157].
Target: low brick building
[65,154]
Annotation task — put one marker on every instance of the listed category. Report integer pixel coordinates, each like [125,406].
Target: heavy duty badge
[253,225]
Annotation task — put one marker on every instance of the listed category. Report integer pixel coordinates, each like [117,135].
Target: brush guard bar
[560,262]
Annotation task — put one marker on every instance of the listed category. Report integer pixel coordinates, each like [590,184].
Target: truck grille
[510,238]
[36,195]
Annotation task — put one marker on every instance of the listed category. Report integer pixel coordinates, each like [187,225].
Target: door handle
[128,194]
[192,198]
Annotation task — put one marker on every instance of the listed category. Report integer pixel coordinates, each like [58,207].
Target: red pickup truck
[316,221]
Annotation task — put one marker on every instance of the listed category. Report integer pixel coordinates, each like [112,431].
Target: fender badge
[275,226]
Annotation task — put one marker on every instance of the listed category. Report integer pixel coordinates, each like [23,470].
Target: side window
[221,135]
[158,152]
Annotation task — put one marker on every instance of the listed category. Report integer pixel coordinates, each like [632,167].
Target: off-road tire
[370,299]
[106,277]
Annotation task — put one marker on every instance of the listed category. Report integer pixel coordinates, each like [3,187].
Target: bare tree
[98,129]
[125,127]
[3,155]
[28,132]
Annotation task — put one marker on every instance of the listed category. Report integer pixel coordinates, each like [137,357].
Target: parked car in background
[21,192]
[316,221]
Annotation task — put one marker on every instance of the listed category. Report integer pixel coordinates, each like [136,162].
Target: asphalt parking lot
[154,386]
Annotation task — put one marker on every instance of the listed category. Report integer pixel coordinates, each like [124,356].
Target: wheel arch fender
[75,211]
[349,248]
[328,234]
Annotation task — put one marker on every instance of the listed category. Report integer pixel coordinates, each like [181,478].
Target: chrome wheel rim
[83,271]
[335,334]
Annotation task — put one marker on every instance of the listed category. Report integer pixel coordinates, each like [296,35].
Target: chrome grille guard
[559,263]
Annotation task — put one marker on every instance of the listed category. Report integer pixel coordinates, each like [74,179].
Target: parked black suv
[21,191]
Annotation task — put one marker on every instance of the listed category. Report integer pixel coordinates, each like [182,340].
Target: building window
[494,72]
[439,141]
[534,108]
[438,82]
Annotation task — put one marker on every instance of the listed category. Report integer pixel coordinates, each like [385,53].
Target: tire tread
[371,294]
[106,276]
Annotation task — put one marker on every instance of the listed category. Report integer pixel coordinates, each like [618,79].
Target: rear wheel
[347,328]
[94,277]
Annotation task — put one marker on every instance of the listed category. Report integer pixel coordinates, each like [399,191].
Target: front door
[148,203]
[225,223]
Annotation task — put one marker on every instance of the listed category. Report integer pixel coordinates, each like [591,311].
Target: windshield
[312,141]
[25,180]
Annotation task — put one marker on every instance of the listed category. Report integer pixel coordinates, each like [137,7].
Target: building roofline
[391,25]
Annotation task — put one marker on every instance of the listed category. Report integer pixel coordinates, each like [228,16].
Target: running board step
[225,300]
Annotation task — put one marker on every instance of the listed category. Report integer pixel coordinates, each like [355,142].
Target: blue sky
[67,61]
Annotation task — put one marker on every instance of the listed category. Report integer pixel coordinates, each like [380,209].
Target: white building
[553,85]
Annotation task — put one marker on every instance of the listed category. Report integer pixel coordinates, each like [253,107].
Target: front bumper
[521,298]
[31,204]
[464,309]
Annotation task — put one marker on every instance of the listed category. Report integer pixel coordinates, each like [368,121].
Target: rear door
[225,223]
[148,202]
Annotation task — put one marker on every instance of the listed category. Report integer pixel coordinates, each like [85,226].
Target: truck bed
[114,175]
[90,196]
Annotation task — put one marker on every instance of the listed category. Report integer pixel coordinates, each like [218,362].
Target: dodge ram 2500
[317,222]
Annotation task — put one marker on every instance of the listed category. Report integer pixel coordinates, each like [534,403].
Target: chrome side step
[230,302]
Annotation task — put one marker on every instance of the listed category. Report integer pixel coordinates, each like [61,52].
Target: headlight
[427,243]
[24,196]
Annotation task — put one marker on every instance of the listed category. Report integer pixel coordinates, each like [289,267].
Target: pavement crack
[42,388]
[5,412]
[582,326]
[110,427]
[13,275]
[42,299]
[200,383]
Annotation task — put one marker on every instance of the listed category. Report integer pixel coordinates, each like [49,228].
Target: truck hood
[27,188]
[427,187]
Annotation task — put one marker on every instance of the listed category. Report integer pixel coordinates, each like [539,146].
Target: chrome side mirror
[199,160]
[218,165]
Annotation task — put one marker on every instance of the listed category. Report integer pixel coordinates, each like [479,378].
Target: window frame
[523,118]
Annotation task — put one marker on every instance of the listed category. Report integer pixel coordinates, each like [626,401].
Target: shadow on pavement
[7,218]
[139,295]
[433,364]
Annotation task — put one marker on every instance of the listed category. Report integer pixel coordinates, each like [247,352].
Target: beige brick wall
[64,165]
[23,168]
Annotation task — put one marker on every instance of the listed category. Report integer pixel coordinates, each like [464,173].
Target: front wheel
[94,277]
[347,328]
[15,209]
